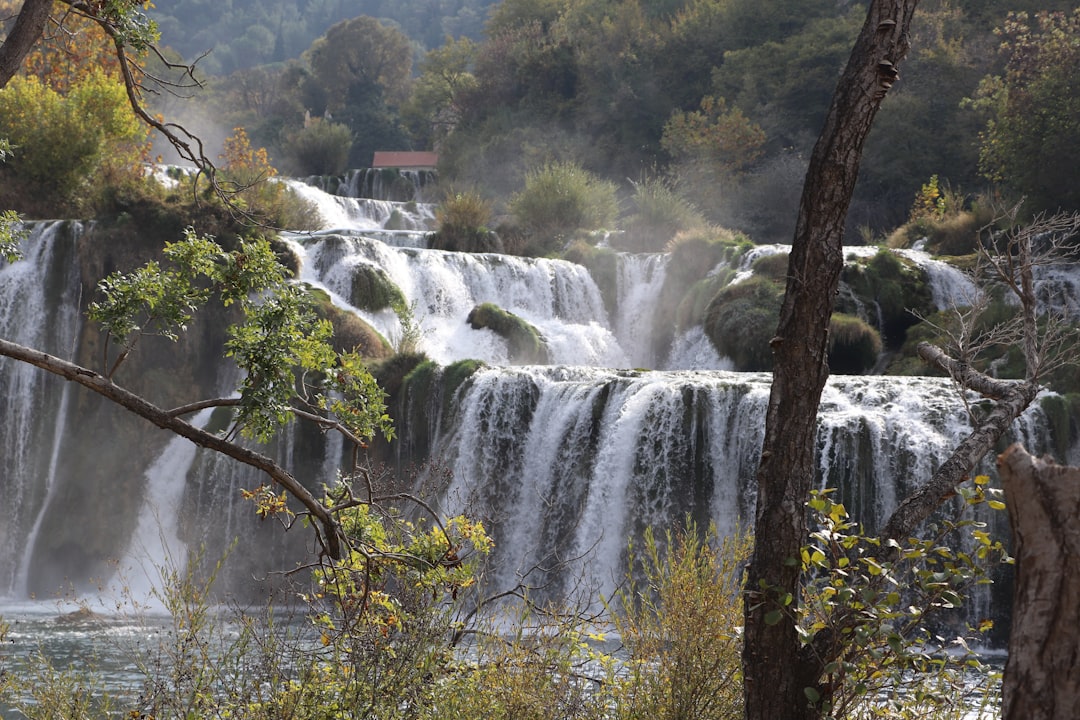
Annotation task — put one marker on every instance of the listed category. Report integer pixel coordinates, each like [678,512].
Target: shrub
[463,219]
[660,213]
[560,198]
[248,176]
[59,143]
[678,618]
[854,346]
[320,148]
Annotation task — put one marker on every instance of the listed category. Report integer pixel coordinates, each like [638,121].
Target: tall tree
[782,680]
[784,674]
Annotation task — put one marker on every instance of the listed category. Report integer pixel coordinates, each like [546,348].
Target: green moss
[421,379]
[693,257]
[455,375]
[854,346]
[691,310]
[372,289]
[772,266]
[525,343]
[897,290]
[741,320]
[351,333]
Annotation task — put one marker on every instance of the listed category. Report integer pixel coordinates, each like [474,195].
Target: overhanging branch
[330,535]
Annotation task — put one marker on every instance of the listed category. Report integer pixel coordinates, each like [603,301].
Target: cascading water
[559,298]
[38,307]
[563,461]
[565,464]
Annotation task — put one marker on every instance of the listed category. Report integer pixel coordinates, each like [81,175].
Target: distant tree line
[720,98]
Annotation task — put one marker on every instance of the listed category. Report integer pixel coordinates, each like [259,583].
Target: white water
[155,545]
[570,462]
[559,298]
[640,280]
[33,407]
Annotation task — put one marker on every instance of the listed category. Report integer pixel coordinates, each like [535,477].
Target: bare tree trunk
[779,682]
[27,29]
[1042,676]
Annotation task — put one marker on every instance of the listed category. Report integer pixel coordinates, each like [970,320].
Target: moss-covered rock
[889,289]
[526,345]
[774,267]
[693,257]
[695,302]
[455,374]
[372,289]
[351,333]
[741,320]
[854,346]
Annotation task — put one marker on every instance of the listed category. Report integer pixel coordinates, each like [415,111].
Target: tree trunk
[1042,676]
[779,682]
[27,29]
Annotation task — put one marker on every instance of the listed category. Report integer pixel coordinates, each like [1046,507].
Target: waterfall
[38,308]
[640,279]
[559,298]
[156,546]
[949,286]
[567,463]
[564,462]
[405,224]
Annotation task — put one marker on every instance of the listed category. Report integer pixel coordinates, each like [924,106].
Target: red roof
[405,160]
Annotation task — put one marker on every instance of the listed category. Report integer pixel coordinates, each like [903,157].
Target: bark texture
[1042,676]
[27,29]
[776,675]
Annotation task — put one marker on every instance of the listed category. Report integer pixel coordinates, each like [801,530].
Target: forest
[720,98]
[571,134]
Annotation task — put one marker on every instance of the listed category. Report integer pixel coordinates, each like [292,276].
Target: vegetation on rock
[525,344]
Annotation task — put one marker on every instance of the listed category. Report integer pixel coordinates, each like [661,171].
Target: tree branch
[330,537]
[1012,399]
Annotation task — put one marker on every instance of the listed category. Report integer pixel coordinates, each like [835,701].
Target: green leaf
[773,617]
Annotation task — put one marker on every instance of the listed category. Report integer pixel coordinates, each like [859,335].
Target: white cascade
[38,308]
[639,282]
[156,545]
[559,298]
[570,462]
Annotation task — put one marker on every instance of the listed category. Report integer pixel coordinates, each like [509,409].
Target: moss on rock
[898,291]
[854,346]
[526,345]
[372,289]
[351,333]
[741,319]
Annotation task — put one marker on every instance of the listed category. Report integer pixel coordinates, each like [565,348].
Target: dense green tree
[358,57]
[1032,141]
[63,141]
[434,109]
